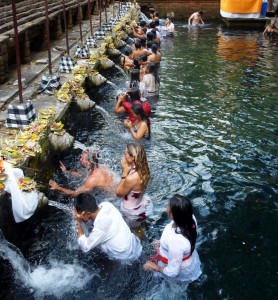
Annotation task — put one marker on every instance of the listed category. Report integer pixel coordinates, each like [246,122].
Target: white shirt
[112,235]
[175,247]
[151,85]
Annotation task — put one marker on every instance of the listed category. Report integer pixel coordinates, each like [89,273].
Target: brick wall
[183,8]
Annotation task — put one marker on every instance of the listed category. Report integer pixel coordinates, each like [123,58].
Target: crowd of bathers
[175,253]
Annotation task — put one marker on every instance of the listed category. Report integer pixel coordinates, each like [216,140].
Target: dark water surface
[214,139]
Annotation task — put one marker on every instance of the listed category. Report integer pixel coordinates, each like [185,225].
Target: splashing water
[113,85]
[121,70]
[55,279]
[61,206]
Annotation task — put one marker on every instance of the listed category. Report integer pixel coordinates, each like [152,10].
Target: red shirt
[146,107]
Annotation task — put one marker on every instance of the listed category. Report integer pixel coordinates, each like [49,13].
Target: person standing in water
[110,231]
[99,176]
[135,206]
[176,256]
[196,18]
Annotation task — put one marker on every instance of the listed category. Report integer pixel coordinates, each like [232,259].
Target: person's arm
[119,107]
[86,187]
[143,128]
[95,238]
[127,182]
[190,19]
[68,171]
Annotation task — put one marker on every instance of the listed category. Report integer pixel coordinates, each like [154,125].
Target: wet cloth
[151,85]
[23,204]
[175,247]
[112,235]
[140,211]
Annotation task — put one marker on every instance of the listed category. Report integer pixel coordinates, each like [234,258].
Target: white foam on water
[58,278]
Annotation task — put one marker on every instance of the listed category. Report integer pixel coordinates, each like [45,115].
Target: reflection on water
[214,138]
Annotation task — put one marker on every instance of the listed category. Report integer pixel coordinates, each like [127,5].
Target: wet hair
[142,23]
[128,51]
[144,57]
[137,151]
[149,44]
[134,94]
[181,209]
[153,70]
[152,24]
[134,78]
[201,12]
[137,45]
[85,202]
[154,48]
[92,158]
[136,63]
[156,22]
[153,31]
[143,42]
[138,110]
[150,36]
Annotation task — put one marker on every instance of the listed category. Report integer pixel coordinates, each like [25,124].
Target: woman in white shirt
[110,231]
[176,256]
[151,79]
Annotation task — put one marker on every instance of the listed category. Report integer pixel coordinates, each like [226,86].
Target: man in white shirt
[110,231]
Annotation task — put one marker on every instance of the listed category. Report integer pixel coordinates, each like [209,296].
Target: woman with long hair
[136,83]
[176,256]
[134,181]
[151,79]
[142,125]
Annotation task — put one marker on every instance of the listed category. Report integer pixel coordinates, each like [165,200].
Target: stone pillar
[69,19]
[58,28]
[4,60]
[25,48]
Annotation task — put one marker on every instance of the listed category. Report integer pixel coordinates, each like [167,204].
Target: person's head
[154,48]
[136,63]
[128,51]
[169,20]
[156,22]
[136,155]
[153,31]
[150,36]
[85,205]
[143,42]
[180,210]
[200,13]
[143,58]
[134,94]
[151,68]
[89,159]
[152,24]
[137,45]
[134,75]
[149,44]
[143,23]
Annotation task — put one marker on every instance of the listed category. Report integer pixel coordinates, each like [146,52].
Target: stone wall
[183,8]
[31,27]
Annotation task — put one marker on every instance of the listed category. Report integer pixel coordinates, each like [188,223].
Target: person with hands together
[176,256]
[110,232]
[135,205]
[142,125]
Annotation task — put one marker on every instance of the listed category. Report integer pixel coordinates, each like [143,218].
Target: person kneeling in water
[176,256]
[110,231]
